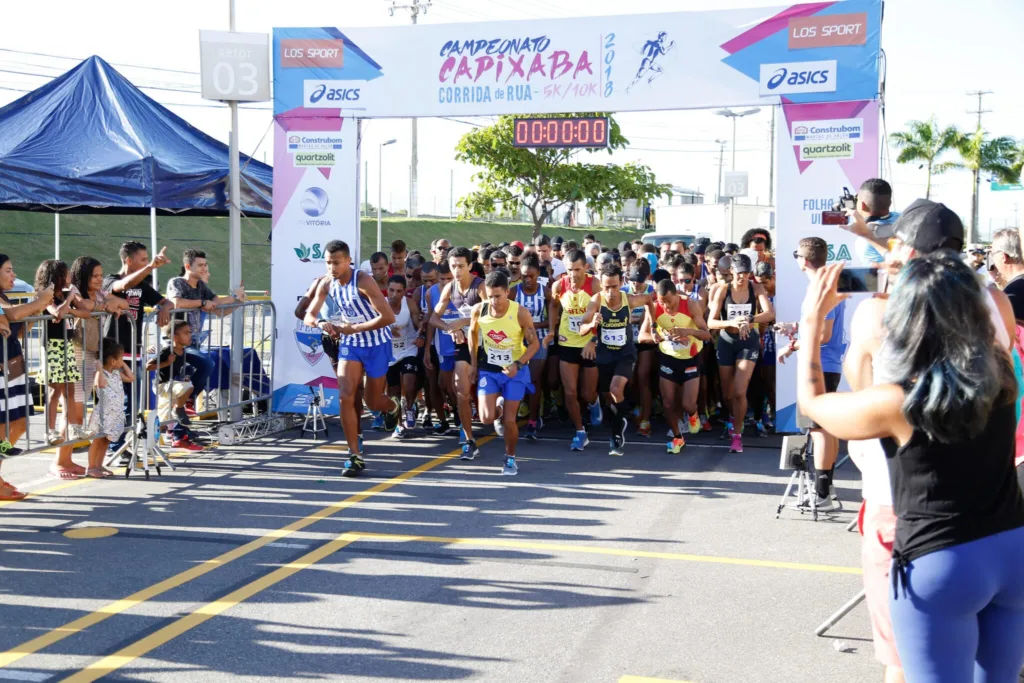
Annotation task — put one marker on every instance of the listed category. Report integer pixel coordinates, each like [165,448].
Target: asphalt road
[260,563]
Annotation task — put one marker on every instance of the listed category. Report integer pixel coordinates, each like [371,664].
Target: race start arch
[819,62]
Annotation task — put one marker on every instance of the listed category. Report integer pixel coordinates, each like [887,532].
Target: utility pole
[415,7]
[451,194]
[976,196]
[721,160]
[366,189]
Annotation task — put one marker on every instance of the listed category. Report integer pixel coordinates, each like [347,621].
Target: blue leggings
[960,616]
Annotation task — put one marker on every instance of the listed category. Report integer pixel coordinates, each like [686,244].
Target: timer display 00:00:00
[589,131]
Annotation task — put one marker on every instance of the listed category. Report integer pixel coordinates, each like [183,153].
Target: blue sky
[937,51]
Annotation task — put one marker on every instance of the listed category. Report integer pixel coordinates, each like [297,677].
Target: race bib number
[399,345]
[500,357]
[575,323]
[738,310]
[615,336]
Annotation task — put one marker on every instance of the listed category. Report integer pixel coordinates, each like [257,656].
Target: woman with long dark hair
[87,291]
[944,411]
[61,372]
[14,403]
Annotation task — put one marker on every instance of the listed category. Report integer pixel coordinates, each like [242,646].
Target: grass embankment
[27,237]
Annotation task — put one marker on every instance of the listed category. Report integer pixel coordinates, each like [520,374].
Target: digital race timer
[588,131]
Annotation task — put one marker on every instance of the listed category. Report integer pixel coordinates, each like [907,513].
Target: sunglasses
[759,240]
[797,254]
[686,280]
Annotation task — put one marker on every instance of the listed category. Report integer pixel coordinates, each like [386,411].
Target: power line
[144,87]
[80,59]
[979,94]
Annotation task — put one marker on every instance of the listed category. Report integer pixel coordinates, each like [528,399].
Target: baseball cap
[929,226]
[623,247]
[700,249]
[740,264]
[519,244]
[725,263]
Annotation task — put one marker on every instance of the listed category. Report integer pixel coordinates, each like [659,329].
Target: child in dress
[107,419]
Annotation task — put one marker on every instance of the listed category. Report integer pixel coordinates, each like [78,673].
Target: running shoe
[442,429]
[7,448]
[680,425]
[736,445]
[499,427]
[469,451]
[510,468]
[579,442]
[822,504]
[399,433]
[184,443]
[531,431]
[615,446]
[727,432]
[596,414]
[524,409]
[54,437]
[676,445]
[353,466]
[378,422]
[705,423]
[769,423]
[410,419]
[644,429]
[761,431]
[391,418]
[694,423]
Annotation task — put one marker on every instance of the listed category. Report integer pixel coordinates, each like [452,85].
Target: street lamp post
[729,113]
[380,180]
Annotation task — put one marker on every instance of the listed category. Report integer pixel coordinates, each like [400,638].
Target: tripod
[801,478]
[315,413]
[141,442]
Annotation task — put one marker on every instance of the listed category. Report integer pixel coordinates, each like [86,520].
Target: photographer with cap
[924,228]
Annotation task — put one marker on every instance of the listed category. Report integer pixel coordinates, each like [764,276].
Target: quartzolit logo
[314,202]
[798,77]
[497,336]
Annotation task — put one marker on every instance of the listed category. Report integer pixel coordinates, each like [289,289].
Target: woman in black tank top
[739,346]
[947,423]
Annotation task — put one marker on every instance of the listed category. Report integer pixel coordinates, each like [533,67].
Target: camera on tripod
[795,449]
[837,216]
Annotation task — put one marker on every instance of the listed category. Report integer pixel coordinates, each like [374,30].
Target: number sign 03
[582,131]
[235,66]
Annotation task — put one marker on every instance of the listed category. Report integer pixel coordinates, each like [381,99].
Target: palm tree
[923,141]
[980,154]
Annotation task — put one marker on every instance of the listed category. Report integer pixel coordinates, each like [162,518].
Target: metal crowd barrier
[33,341]
[253,385]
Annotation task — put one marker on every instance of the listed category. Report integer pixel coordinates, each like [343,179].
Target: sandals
[98,473]
[67,472]
[9,493]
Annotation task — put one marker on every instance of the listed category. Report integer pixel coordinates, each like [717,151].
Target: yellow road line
[621,552]
[117,607]
[53,489]
[203,614]
[208,611]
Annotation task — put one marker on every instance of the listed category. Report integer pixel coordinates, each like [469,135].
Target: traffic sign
[235,66]
[1006,187]
[736,184]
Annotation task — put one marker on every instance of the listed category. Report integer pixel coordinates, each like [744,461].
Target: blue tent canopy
[90,141]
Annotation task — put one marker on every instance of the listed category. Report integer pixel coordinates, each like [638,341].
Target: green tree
[925,142]
[1017,167]
[545,179]
[981,154]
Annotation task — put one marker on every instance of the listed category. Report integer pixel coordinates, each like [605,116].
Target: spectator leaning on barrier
[61,372]
[14,404]
[191,294]
[132,284]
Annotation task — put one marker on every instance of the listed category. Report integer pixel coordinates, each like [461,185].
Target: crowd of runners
[602,337]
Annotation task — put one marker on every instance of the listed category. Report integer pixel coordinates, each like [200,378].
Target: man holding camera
[811,255]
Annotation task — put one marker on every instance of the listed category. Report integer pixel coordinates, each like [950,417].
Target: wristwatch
[519,366]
